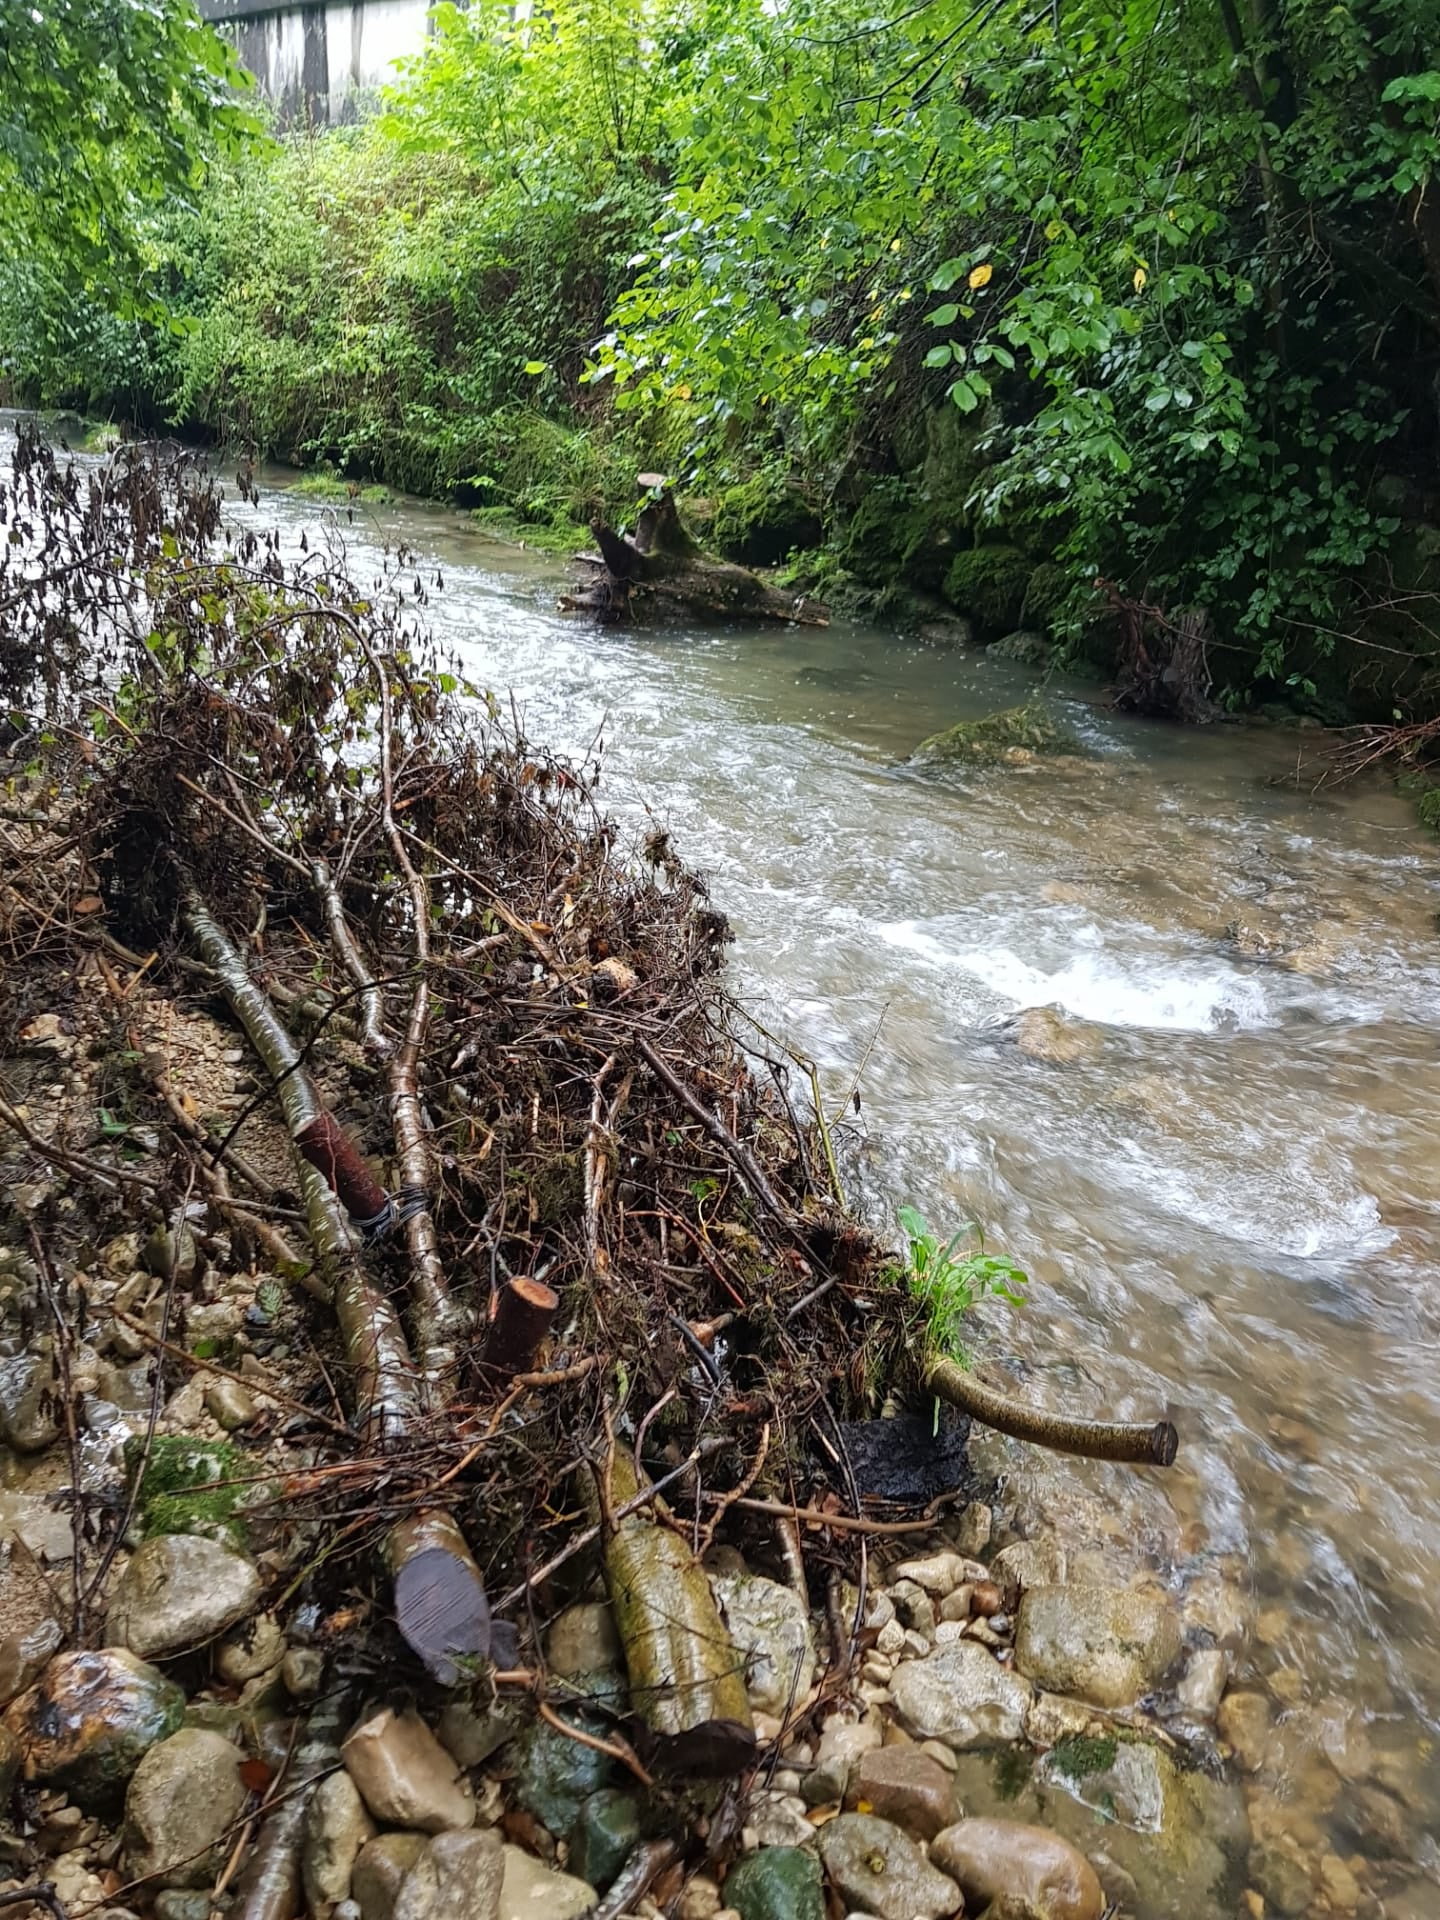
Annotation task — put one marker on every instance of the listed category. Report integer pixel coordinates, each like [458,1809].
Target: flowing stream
[1227,1200]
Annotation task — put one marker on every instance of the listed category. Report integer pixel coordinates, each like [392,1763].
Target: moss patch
[500,523]
[1079,1755]
[329,486]
[192,1486]
[989,583]
[1013,1768]
[1013,735]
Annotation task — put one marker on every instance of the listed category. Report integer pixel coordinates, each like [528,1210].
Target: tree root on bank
[661,567]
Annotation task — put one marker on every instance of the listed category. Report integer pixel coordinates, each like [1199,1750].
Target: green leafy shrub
[946,1282]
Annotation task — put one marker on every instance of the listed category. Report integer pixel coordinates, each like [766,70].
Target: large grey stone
[771,1630]
[405,1776]
[184,1796]
[336,1828]
[961,1695]
[877,1868]
[87,1722]
[179,1591]
[1109,1645]
[583,1640]
[992,1858]
[29,1400]
[457,1876]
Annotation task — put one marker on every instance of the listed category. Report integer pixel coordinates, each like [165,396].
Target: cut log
[525,1310]
[661,568]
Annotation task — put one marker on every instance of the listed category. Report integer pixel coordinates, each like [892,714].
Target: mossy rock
[1025,646]
[1008,738]
[762,520]
[603,1836]
[1048,594]
[330,487]
[554,1775]
[989,583]
[193,1486]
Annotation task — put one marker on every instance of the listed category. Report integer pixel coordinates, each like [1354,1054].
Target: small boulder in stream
[90,1720]
[379,1871]
[183,1797]
[1013,737]
[1108,1645]
[337,1826]
[992,1859]
[179,1591]
[29,1403]
[529,1890]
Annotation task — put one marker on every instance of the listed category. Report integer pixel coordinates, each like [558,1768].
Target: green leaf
[945,316]
[939,356]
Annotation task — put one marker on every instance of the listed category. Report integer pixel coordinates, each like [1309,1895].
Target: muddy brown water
[1228,1203]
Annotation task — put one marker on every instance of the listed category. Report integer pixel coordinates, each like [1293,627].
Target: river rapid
[1227,1200]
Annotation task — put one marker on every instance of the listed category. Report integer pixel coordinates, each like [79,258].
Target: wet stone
[405,1776]
[178,1903]
[380,1867]
[961,1695]
[30,1624]
[230,1405]
[990,1859]
[904,1785]
[179,1591]
[303,1671]
[92,1716]
[555,1775]
[601,1839]
[937,1573]
[874,1866]
[336,1828]
[781,1883]
[529,1890]
[470,1734]
[1109,1645]
[1243,1722]
[182,1798]
[456,1876]
[1203,1682]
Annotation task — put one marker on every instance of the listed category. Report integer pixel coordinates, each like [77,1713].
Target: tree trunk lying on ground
[661,564]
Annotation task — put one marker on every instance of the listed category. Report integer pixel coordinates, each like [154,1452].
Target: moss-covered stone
[989,584]
[1025,646]
[760,521]
[192,1486]
[1012,736]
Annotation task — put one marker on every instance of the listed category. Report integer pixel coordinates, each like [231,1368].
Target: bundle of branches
[581,1264]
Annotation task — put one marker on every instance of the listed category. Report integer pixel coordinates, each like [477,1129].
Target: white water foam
[1199,998]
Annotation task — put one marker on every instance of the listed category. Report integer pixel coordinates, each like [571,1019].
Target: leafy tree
[108,109]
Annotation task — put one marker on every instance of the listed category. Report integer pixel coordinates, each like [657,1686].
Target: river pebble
[405,1776]
[583,1640]
[1030,1563]
[182,1799]
[879,1869]
[1243,1722]
[963,1696]
[904,1785]
[770,1626]
[783,1883]
[990,1859]
[456,1876]
[380,1867]
[246,1651]
[1203,1682]
[529,1890]
[842,1743]
[89,1720]
[337,1826]
[179,1591]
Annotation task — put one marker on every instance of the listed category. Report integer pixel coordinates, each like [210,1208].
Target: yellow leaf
[866,344]
[980,276]
[682,392]
[894,246]
[1054,230]
[1140,278]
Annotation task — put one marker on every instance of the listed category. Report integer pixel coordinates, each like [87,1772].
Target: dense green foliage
[107,108]
[998,300]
